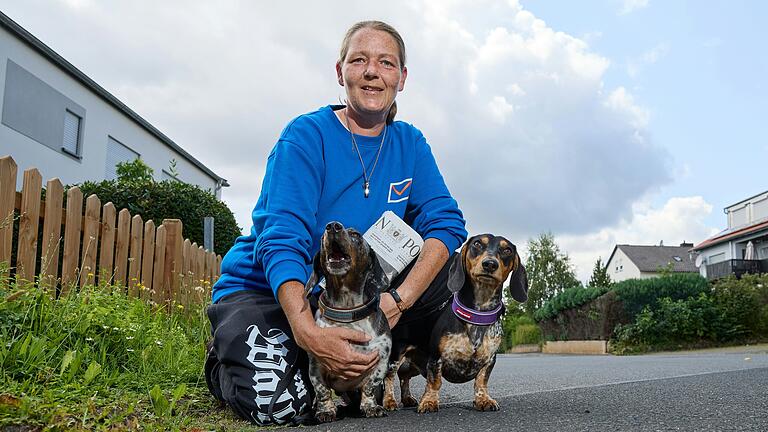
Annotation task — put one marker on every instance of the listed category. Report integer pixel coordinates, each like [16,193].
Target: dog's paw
[486,404]
[427,406]
[326,416]
[409,402]
[390,404]
[374,411]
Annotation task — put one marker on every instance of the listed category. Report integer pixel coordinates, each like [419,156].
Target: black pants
[256,368]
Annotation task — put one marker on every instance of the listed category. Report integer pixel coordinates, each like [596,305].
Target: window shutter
[71,142]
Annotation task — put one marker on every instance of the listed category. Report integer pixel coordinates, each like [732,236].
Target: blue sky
[700,68]
[605,121]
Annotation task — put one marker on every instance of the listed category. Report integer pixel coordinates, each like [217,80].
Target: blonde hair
[381,26]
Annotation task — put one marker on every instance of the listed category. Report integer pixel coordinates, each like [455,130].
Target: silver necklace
[366,177]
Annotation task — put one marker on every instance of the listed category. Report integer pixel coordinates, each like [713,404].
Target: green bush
[140,194]
[674,322]
[509,324]
[568,299]
[526,334]
[636,294]
[742,303]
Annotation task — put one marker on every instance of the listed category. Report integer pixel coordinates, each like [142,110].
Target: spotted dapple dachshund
[461,344]
[354,281]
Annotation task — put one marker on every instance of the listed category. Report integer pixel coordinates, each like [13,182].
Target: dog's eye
[477,244]
[355,234]
[506,251]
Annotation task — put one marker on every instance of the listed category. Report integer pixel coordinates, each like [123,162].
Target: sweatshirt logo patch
[399,191]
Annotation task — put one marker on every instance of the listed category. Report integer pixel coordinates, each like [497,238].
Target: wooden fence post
[134,265]
[173,259]
[185,286]
[71,239]
[121,250]
[90,240]
[49,260]
[107,252]
[159,266]
[147,260]
[8,172]
[29,221]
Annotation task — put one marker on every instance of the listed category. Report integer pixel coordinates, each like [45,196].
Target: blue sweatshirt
[314,176]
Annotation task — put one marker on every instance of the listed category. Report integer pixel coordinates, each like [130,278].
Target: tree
[549,271]
[600,276]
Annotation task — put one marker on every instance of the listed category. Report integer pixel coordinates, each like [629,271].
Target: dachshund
[461,344]
[354,281]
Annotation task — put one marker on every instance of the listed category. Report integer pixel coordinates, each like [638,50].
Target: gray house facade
[55,118]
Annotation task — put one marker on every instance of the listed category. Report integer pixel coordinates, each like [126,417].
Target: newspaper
[396,244]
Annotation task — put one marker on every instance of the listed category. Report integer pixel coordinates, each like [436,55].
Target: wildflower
[181,307]
[129,338]
[158,343]
[116,328]
[129,350]
[89,339]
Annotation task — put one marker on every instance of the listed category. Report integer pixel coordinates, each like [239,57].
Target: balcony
[736,267]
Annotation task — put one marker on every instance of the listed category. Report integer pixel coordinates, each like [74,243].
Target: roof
[732,233]
[652,258]
[44,50]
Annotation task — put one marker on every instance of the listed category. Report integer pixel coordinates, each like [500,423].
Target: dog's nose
[490,265]
[334,227]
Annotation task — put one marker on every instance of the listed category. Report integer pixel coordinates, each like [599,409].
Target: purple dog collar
[475,317]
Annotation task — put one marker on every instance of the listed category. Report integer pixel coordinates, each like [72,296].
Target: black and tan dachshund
[461,344]
[354,281]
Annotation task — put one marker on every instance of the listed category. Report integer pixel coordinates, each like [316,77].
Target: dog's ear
[377,275]
[314,278]
[518,283]
[456,276]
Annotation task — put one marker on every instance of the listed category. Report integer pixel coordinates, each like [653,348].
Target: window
[117,152]
[38,111]
[71,140]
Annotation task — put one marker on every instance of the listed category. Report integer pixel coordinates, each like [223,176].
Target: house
[727,251]
[643,262]
[57,119]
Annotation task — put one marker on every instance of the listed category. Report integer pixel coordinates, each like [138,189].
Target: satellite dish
[699,261]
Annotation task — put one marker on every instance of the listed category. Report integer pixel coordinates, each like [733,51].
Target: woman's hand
[390,309]
[332,347]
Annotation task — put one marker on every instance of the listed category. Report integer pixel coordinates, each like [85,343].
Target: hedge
[568,299]
[636,294]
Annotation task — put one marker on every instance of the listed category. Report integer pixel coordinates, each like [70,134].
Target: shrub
[568,299]
[526,334]
[636,294]
[674,322]
[140,194]
[742,303]
[510,324]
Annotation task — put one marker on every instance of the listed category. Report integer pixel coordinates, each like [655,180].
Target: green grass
[98,360]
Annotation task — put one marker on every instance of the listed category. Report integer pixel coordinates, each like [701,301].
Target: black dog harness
[348,315]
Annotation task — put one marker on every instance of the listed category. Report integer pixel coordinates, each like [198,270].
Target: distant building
[726,252]
[60,121]
[643,262]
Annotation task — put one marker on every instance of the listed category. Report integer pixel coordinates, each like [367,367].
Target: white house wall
[100,121]
[626,268]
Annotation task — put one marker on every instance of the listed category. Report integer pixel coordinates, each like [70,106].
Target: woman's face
[371,72]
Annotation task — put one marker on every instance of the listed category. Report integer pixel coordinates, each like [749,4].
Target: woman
[346,163]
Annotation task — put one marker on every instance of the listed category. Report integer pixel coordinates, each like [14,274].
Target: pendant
[366,190]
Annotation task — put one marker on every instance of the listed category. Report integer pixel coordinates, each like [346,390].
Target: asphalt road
[697,391]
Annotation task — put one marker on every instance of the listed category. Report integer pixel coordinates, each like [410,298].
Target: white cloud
[653,55]
[526,134]
[680,219]
[629,6]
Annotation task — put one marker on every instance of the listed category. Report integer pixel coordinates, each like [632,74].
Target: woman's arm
[432,258]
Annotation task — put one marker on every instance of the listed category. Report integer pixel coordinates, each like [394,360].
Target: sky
[603,122]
